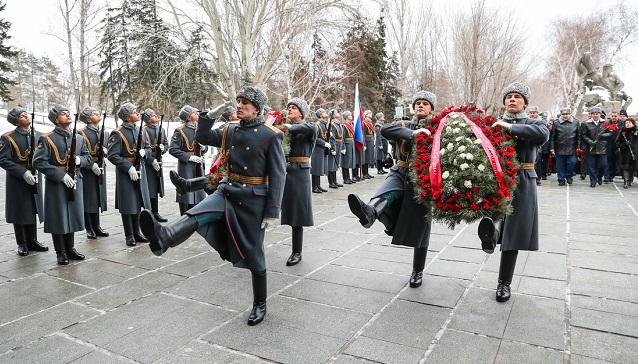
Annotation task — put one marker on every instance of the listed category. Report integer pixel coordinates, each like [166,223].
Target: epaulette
[118,128]
[234,122]
[9,133]
[276,130]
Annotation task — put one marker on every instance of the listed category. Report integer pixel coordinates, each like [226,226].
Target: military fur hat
[424,95]
[301,104]
[366,113]
[345,114]
[623,112]
[594,109]
[256,97]
[319,111]
[532,109]
[55,111]
[147,115]
[186,111]
[85,114]
[379,116]
[125,110]
[14,114]
[519,88]
[565,110]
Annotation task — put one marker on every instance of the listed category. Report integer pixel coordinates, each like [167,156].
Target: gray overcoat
[348,159]
[154,179]
[318,161]
[94,187]
[182,147]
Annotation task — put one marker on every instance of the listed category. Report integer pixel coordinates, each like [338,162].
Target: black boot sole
[354,202]
[486,230]
[147,225]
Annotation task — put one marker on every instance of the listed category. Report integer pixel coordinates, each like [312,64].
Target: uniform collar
[92,127]
[515,116]
[149,125]
[128,125]
[189,125]
[19,130]
[250,123]
[62,132]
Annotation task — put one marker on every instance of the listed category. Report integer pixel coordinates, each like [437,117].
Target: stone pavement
[575,300]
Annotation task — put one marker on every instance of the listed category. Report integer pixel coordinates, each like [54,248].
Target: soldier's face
[64,119]
[245,109]
[95,117]
[422,108]
[514,102]
[193,117]
[24,120]
[595,116]
[336,116]
[134,117]
[293,113]
[153,119]
[533,114]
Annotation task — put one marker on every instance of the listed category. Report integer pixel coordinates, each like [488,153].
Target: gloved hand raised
[217,111]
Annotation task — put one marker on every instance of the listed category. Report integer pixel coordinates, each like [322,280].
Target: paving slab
[381,351]
[605,346]
[537,321]
[479,313]
[437,291]
[53,349]
[461,347]
[360,278]
[515,352]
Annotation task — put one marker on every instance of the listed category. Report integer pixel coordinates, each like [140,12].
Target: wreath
[279,123]
[466,169]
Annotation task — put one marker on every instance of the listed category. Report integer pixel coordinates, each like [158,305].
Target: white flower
[456,130]
[445,175]
[455,162]
[442,152]
[481,167]
[477,141]
[462,155]
[461,148]
[450,146]
[448,129]
[467,184]
[464,166]
[469,156]
[458,139]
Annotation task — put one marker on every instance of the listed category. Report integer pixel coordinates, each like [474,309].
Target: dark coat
[130,197]
[255,150]
[405,220]
[370,152]
[60,215]
[520,229]
[94,187]
[627,144]
[564,138]
[594,137]
[21,204]
[611,141]
[318,162]
[337,139]
[296,206]
[154,179]
[348,159]
[182,147]
[380,142]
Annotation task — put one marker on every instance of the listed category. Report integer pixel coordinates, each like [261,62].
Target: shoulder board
[273,128]
[47,134]
[9,133]
[233,122]
[118,128]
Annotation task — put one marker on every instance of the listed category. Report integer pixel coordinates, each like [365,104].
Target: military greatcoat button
[255,130]
[247,148]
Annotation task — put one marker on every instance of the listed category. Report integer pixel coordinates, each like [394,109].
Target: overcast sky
[32,19]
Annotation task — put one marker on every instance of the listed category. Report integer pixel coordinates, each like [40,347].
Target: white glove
[343,151]
[68,181]
[268,221]
[420,131]
[219,110]
[195,159]
[503,124]
[156,165]
[287,125]
[365,148]
[132,173]
[327,145]
[381,148]
[96,169]
[29,178]
[142,153]
[77,160]
[105,150]
[333,152]
[161,147]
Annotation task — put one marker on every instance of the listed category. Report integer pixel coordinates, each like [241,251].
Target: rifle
[30,167]
[99,153]
[328,134]
[158,151]
[71,168]
[137,161]
[198,151]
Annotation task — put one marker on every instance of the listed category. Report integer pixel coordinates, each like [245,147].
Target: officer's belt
[298,159]
[402,164]
[527,165]
[348,139]
[130,159]
[249,180]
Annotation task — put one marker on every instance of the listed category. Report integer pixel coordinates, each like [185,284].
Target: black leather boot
[355,175]
[19,231]
[95,221]
[127,222]
[155,209]
[380,169]
[418,263]
[366,172]
[183,207]
[503,291]
[297,243]
[69,247]
[31,236]
[505,275]
[489,234]
[88,226]
[315,184]
[163,237]
[332,179]
[139,238]
[345,173]
[183,185]
[367,213]
[59,246]
[260,292]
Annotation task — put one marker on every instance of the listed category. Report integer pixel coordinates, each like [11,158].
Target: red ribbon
[492,156]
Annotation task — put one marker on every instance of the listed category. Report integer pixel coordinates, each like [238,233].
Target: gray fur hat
[345,114]
[379,116]
[319,111]
[256,96]
[85,114]
[367,112]
[519,88]
[424,95]
[125,110]
[55,111]
[147,114]
[301,104]
[14,114]
[565,110]
[532,109]
[595,109]
[186,111]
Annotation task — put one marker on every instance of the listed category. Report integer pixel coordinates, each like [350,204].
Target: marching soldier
[393,203]
[368,131]
[381,143]
[334,159]
[93,176]
[318,161]
[156,138]
[22,203]
[233,218]
[63,202]
[347,151]
[189,154]
[131,191]
[296,206]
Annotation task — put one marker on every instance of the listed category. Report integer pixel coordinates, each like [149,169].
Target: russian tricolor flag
[357,113]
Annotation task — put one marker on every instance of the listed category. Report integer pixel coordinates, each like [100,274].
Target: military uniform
[381,147]
[348,159]
[22,205]
[94,189]
[182,147]
[318,159]
[369,153]
[154,178]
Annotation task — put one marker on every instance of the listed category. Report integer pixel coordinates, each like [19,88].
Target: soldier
[380,142]
[189,154]
[296,206]
[393,203]
[158,143]
[519,231]
[63,202]
[131,190]
[563,142]
[21,203]
[347,152]
[322,143]
[369,152]
[93,176]
[594,140]
[334,159]
[233,219]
